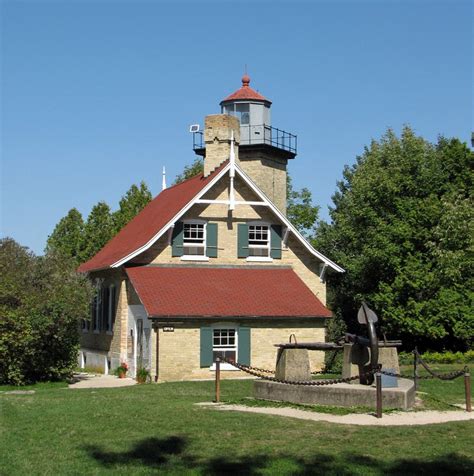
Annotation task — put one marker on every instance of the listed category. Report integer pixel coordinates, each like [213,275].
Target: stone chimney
[217,134]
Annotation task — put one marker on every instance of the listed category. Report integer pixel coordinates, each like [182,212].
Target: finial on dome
[245,80]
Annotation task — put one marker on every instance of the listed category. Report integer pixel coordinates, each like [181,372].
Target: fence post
[467,388]
[218,380]
[378,384]
[415,368]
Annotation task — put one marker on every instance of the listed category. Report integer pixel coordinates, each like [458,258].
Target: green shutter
[275,241]
[206,346]
[243,240]
[177,241]
[211,240]
[244,345]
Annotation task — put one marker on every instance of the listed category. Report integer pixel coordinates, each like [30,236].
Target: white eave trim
[285,220]
[172,221]
[265,201]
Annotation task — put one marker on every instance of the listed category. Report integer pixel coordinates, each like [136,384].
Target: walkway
[390,419]
[84,380]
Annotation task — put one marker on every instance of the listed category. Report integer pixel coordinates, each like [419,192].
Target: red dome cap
[246,93]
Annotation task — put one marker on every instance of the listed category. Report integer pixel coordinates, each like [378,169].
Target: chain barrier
[309,383]
[433,374]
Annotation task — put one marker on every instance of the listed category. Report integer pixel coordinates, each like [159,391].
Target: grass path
[157,429]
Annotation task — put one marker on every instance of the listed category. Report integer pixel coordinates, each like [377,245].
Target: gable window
[194,239]
[259,241]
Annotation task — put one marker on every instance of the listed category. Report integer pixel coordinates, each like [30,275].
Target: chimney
[217,135]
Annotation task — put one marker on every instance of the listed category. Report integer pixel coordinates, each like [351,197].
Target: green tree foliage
[300,209]
[98,230]
[67,238]
[189,171]
[402,227]
[131,204]
[41,302]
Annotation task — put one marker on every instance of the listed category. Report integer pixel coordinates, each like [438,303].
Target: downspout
[157,349]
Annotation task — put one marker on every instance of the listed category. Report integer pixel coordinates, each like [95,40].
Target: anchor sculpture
[356,347]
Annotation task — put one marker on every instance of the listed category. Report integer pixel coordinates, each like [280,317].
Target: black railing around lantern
[257,135]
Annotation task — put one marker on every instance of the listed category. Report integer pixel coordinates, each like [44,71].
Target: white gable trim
[286,222]
[172,221]
[266,201]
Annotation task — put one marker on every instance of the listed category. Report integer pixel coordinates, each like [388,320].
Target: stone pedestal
[341,394]
[293,365]
[357,360]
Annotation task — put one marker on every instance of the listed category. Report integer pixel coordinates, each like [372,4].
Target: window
[259,241]
[224,344]
[110,308]
[85,325]
[103,309]
[194,239]
[241,111]
[96,310]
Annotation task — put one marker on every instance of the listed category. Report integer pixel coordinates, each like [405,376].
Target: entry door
[139,339]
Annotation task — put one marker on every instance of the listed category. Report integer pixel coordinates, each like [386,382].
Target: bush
[406,358]
[41,302]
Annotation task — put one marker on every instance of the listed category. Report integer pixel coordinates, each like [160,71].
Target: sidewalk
[84,380]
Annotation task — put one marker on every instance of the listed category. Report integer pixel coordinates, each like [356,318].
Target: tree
[189,171]
[67,238]
[42,300]
[131,204]
[300,209]
[402,227]
[98,230]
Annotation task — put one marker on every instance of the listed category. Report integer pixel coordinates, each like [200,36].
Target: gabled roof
[166,209]
[224,292]
[246,93]
[149,222]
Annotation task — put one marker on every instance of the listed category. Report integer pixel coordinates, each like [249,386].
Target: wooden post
[218,380]
[467,388]
[415,368]
[378,384]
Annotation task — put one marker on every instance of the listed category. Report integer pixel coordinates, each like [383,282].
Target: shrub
[447,357]
[41,302]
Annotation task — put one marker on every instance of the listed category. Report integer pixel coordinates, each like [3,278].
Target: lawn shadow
[171,451]
[152,452]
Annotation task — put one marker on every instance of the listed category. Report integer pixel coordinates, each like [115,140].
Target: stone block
[293,365]
[357,359]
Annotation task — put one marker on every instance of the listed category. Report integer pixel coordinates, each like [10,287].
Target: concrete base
[341,394]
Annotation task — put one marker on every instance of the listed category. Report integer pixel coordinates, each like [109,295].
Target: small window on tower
[243,113]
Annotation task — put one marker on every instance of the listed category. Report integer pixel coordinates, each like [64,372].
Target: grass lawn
[151,429]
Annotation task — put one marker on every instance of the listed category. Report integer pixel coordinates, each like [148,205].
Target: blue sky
[97,95]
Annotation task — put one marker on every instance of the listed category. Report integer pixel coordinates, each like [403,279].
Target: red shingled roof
[245,93]
[141,229]
[224,292]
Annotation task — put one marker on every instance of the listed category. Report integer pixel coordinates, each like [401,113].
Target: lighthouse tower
[263,150]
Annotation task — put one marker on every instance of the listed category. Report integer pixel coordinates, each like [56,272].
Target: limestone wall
[179,351]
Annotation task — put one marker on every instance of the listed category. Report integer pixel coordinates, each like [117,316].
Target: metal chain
[447,376]
[246,369]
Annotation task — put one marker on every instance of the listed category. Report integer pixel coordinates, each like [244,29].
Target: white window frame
[202,257]
[110,330]
[267,258]
[226,325]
